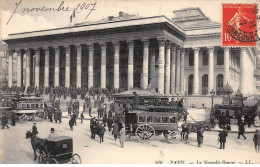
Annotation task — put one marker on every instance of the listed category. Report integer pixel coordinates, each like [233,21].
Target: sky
[24,20]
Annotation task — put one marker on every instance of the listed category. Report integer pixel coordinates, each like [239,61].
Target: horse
[189,127]
[38,144]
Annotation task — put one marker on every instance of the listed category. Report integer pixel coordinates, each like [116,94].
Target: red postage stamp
[239,25]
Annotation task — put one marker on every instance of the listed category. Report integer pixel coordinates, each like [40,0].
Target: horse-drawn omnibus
[145,125]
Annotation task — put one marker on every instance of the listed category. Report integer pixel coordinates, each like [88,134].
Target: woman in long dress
[122,137]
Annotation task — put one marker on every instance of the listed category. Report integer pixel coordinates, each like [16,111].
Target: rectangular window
[141,119]
[165,119]
[37,105]
[149,119]
[156,119]
[32,105]
[172,120]
[23,105]
[205,58]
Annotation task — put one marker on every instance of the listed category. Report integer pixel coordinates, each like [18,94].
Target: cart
[59,150]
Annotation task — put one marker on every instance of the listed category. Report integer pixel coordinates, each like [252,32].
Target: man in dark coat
[13,117]
[222,138]
[241,131]
[34,129]
[92,126]
[256,140]
[4,121]
[101,132]
[109,123]
[200,137]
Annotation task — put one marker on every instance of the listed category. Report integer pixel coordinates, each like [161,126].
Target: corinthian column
[79,52]
[243,69]
[28,68]
[226,64]
[182,72]
[19,68]
[173,67]
[161,62]
[130,64]
[211,69]
[196,72]
[145,63]
[167,67]
[67,67]
[178,66]
[57,66]
[103,65]
[90,65]
[116,64]
[46,66]
[37,68]
[10,68]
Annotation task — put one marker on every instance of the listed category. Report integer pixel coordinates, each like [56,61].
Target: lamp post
[212,93]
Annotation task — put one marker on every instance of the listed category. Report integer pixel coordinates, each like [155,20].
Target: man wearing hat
[256,140]
[52,134]
[34,129]
[222,138]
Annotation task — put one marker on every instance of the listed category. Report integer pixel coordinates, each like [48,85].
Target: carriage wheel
[42,159]
[174,137]
[145,132]
[76,159]
[53,161]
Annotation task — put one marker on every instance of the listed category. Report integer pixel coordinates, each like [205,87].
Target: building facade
[178,56]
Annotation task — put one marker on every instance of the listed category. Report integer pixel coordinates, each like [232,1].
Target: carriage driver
[52,134]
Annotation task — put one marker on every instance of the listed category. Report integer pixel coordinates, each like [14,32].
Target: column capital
[161,41]
[37,50]
[178,48]
[19,52]
[78,47]
[46,48]
[210,48]
[145,42]
[67,48]
[196,49]
[168,44]
[56,48]
[130,43]
[173,46]
[182,50]
[103,45]
[90,47]
[226,48]
[27,50]
[116,44]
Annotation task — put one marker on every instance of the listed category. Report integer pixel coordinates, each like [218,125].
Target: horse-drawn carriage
[54,150]
[30,109]
[145,125]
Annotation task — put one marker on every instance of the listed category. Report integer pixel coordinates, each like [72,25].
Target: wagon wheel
[53,161]
[42,159]
[76,159]
[144,132]
[174,137]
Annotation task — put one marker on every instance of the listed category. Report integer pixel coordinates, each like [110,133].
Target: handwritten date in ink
[62,7]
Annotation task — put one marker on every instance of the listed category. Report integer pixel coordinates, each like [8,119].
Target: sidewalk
[234,129]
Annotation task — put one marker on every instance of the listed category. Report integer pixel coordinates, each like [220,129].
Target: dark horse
[37,143]
[189,127]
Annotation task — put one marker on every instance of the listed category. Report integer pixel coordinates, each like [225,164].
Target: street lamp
[212,93]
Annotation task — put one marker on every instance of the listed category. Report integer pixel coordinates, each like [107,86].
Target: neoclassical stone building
[182,55]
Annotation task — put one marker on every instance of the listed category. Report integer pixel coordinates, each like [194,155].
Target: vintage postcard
[129,82]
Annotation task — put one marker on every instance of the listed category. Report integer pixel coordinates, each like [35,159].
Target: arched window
[219,84]
[190,84]
[220,57]
[205,84]
[205,58]
[191,58]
